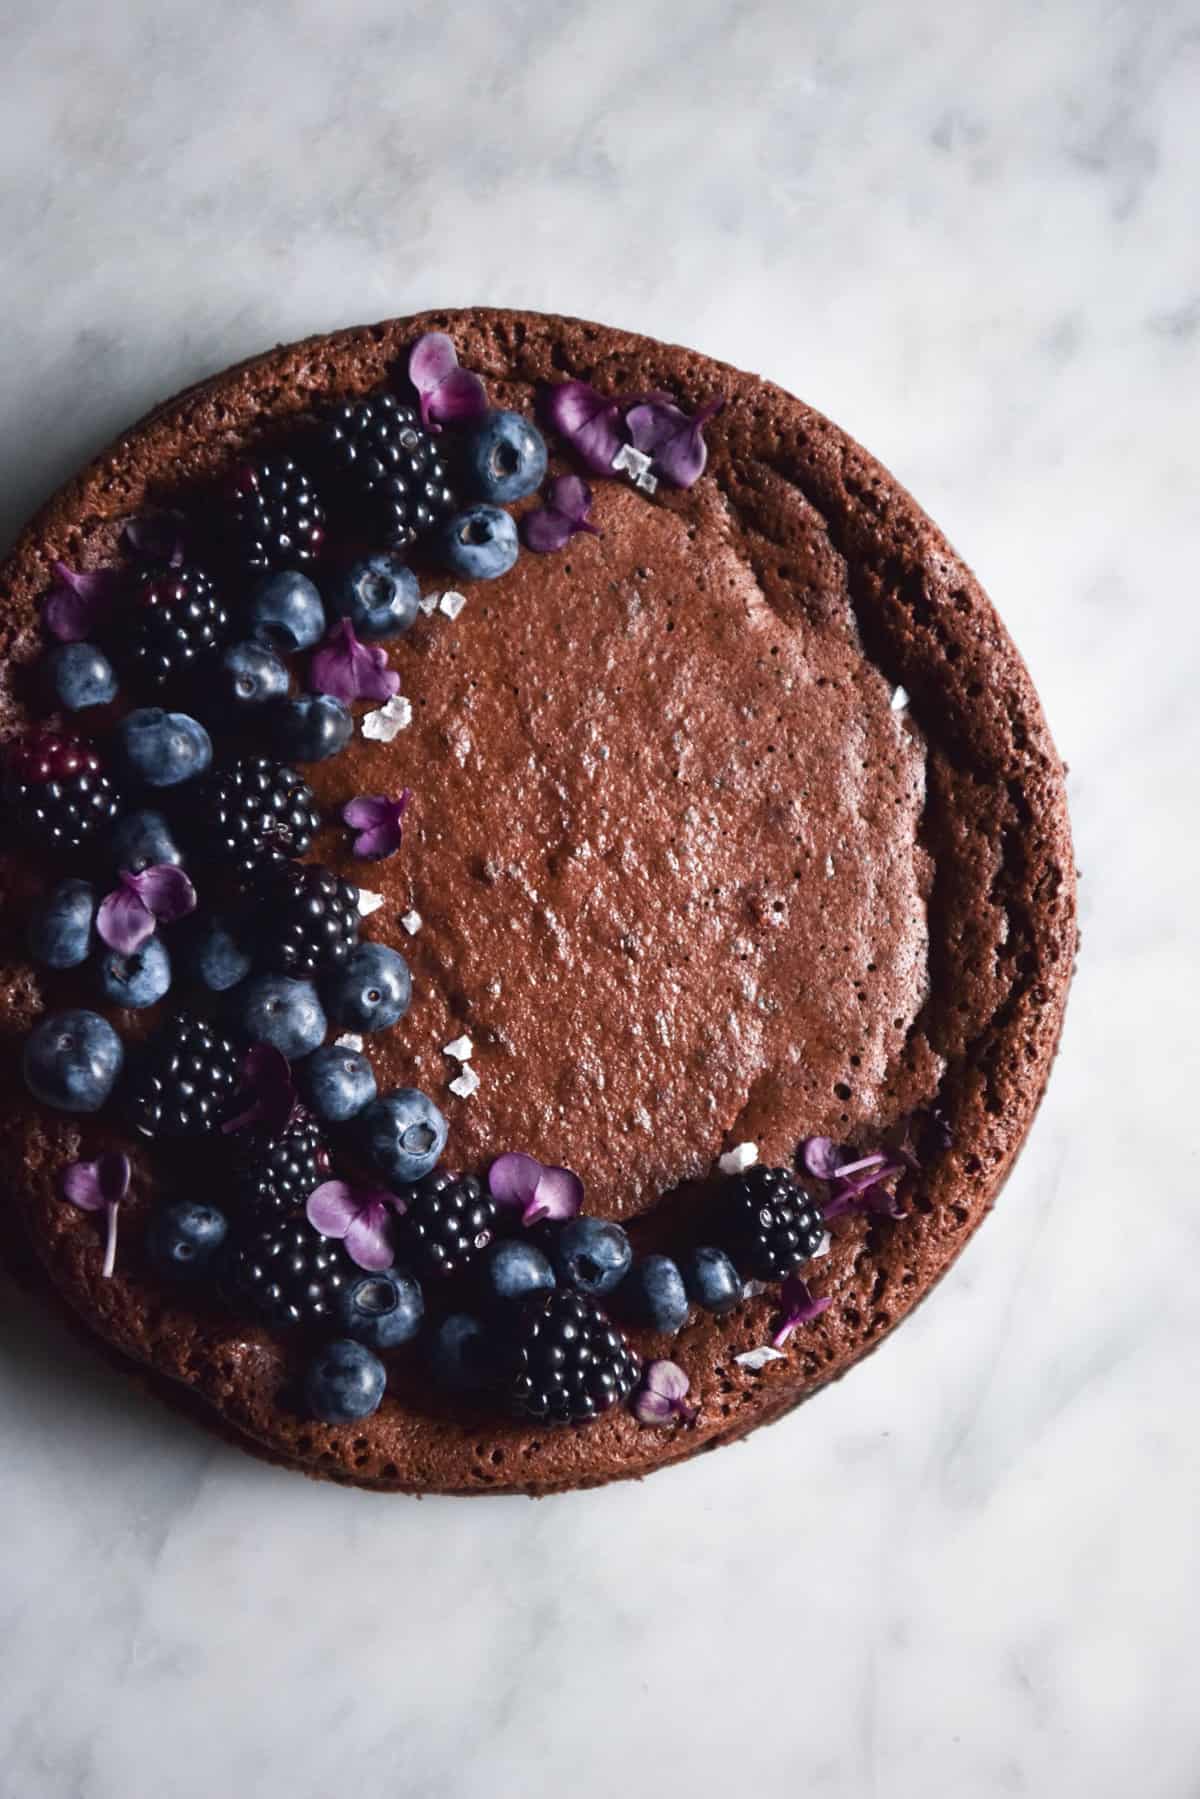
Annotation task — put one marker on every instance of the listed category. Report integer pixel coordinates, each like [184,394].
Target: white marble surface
[969,233]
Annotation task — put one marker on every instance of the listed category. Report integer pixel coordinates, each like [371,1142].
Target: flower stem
[110,1242]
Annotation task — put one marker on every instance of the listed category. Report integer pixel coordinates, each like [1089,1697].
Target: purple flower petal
[662,1395]
[104,1182]
[447,393]
[513,1179]
[565,513]
[799,1307]
[379,822]
[267,1091]
[351,670]
[866,1194]
[558,1195]
[78,603]
[164,890]
[820,1157]
[356,1215]
[673,438]
[590,422]
[124,921]
[155,537]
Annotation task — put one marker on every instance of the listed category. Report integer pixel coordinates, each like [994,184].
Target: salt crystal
[636,462]
[452,604]
[368,902]
[348,1040]
[754,1359]
[466,1083]
[412,922]
[383,724]
[829,871]
[822,1248]
[899,699]
[461,1049]
[646,481]
[736,1161]
[428,602]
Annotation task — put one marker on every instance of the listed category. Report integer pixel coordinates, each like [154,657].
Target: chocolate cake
[734,821]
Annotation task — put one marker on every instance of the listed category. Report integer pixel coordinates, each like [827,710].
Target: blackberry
[569,1363]
[177,626]
[181,1082]
[386,470]
[289,1274]
[768,1223]
[273,1176]
[57,792]
[449,1220]
[274,517]
[311,919]
[255,814]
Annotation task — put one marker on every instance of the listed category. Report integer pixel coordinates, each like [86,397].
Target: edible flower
[358,1217]
[564,514]
[799,1307]
[268,1094]
[672,438]
[378,821]
[590,422]
[517,1180]
[448,394]
[96,1186]
[350,670]
[155,537]
[78,603]
[132,912]
[663,1395]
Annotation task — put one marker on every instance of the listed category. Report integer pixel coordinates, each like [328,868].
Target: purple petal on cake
[513,1179]
[866,1194]
[267,1093]
[558,1195]
[164,890]
[350,670]
[102,1183]
[358,1216]
[590,422]
[799,1307]
[124,921]
[672,438]
[78,603]
[155,537]
[447,393]
[662,1395]
[819,1156]
[379,823]
[564,514]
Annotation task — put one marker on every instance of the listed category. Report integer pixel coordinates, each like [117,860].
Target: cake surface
[691,872]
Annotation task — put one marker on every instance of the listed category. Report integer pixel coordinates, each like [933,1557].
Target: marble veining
[969,234]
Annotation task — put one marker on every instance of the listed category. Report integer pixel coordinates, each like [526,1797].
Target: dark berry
[142,840]
[310,920]
[768,1223]
[402,1134]
[137,979]
[515,1269]
[711,1279]
[385,470]
[217,954]
[569,1363]
[175,629]
[60,930]
[379,595]
[504,457]
[338,1082]
[273,1176]
[448,1221]
[382,1310]
[274,518]
[652,1294]
[590,1254]
[182,1080]
[72,1060]
[184,1238]
[81,676]
[479,544]
[249,676]
[275,1009]
[462,1355]
[370,990]
[255,815]
[310,728]
[344,1382]
[289,1274]
[56,791]
[285,613]
[163,749]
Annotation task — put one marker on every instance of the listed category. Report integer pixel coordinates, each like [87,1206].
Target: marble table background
[969,233]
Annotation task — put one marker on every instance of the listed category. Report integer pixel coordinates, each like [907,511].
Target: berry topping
[311,728]
[570,1364]
[184,1238]
[289,1274]
[61,928]
[182,1080]
[370,990]
[515,1269]
[310,921]
[653,1294]
[143,840]
[448,1221]
[56,790]
[72,1059]
[344,1382]
[379,595]
[137,978]
[250,676]
[385,470]
[285,612]
[338,1082]
[81,676]
[255,815]
[402,1134]
[505,458]
[163,749]
[711,1279]
[382,1310]
[769,1223]
[479,544]
[275,519]
[274,1175]
[592,1255]
[281,1012]
[176,627]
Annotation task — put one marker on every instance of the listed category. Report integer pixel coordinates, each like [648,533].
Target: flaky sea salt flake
[899,699]
[466,1083]
[383,724]
[755,1359]
[428,602]
[647,482]
[412,922]
[368,902]
[462,1049]
[738,1159]
[349,1040]
[452,603]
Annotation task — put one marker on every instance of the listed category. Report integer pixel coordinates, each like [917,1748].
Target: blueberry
[345,1381]
[653,1294]
[274,1009]
[60,931]
[143,840]
[310,728]
[162,749]
[711,1279]
[338,1082]
[216,955]
[382,1310]
[285,612]
[505,457]
[379,595]
[250,676]
[590,1254]
[370,990]
[515,1269]
[480,543]
[72,1060]
[81,676]
[183,1238]
[137,980]
[403,1134]
[460,1355]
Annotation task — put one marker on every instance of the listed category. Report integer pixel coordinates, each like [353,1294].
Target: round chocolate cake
[537,902]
